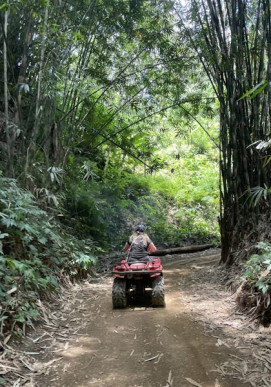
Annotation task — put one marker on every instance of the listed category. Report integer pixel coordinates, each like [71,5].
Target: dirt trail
[141,346]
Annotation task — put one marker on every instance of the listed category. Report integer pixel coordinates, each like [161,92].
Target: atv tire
[158,295]
[119,297]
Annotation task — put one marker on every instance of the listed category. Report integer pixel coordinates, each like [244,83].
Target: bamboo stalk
[40,76]
[6,113]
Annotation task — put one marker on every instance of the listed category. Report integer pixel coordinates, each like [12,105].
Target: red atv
[132,279]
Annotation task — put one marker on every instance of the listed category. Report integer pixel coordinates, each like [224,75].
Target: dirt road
[140,346]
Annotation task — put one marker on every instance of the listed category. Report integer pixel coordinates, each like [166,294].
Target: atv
[133,278]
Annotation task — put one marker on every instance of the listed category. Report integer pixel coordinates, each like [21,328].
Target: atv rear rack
[134,262]
[134,272]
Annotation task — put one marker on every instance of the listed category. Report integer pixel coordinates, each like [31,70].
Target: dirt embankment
[197,340]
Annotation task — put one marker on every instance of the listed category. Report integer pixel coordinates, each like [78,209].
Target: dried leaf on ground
[191,381]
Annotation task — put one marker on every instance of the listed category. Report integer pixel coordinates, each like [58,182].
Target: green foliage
[174,212]
[256,194]
[252,93]
[178,202]
[258,268]
[34,251]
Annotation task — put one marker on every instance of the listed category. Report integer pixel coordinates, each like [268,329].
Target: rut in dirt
[140,345]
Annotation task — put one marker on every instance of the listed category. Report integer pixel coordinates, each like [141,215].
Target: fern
[258,268]
[256,194]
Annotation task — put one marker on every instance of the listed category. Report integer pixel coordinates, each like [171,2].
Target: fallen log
[181,250]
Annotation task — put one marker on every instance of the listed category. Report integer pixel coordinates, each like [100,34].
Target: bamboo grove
[81,76]
[61,62]
[232,39]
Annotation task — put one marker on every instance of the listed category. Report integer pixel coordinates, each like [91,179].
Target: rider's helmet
[140,227]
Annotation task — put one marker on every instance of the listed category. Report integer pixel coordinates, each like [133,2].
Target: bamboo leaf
[256,142]
[258,89]
[258,197]
[255,90]
[267,161]
[12,290]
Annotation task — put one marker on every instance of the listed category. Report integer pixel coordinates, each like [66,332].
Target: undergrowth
[35,253]
[254,295]
[108,210]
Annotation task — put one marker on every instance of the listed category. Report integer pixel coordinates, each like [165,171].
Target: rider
[139,245]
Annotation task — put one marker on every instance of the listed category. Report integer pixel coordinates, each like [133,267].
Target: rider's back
[139,243]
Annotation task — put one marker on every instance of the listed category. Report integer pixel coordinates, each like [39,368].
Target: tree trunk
[182,250]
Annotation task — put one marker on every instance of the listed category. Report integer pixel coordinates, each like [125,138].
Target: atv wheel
[119,297]
[158,296]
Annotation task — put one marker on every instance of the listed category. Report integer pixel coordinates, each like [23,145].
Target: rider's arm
[127,247]
[128,244]
[151,248]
